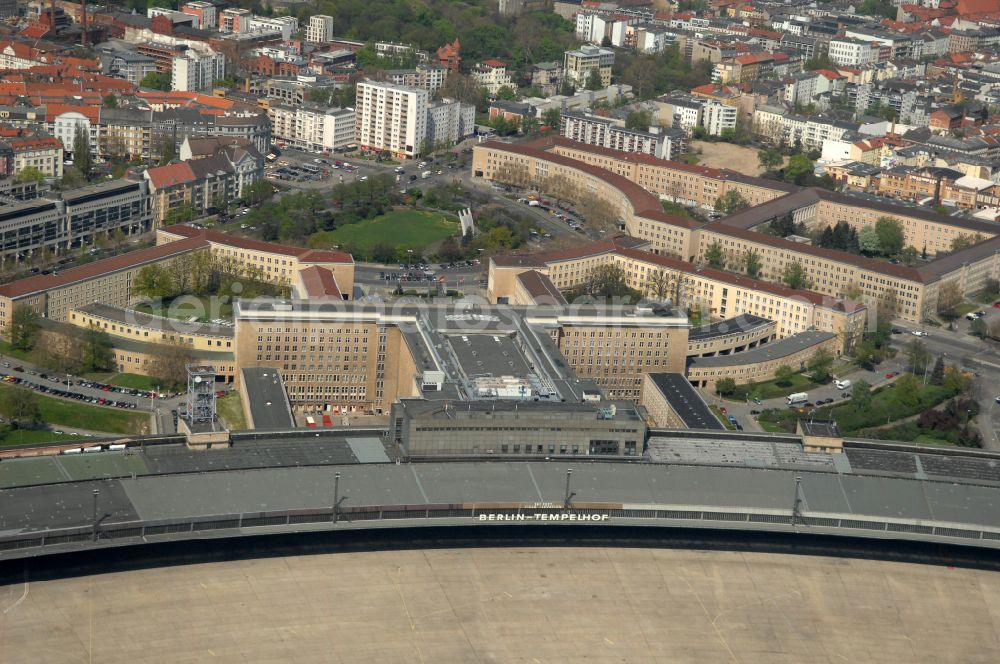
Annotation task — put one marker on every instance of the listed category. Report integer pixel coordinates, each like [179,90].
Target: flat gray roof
[133,317]
[232,492]
[268,402]
[492,354]
[770,351]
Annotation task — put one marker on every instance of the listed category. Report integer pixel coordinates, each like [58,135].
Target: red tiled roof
[52,111]
[303,254]
[595,248]
[170,175]
[721,275]
[29,143]
[493,63]
[541,288]
[42,282]
[319,282]
[643,203]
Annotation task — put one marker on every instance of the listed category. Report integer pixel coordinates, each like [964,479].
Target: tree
[20,405]
[169,362]
[783,375]
[731,201]
[662,284]
[506,93]
[594,81]
[937,374]
[110,101]
[606,281]
[918,356]
[725,386]
[30,174]
[97,350]
[752,263]
[964,241]
[552,118]
[153,280]
[949,297]
[819,365]
[890,235]
[867,354]
[638,120]
[770,159]
[81,150]
[861,395]
[799,169]
[795,276]
[156,80]
[23,327]
[257,193]
[908,389]
[715,256]
[868,241]
[991,288]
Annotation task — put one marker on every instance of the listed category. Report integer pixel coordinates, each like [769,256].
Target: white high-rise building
[195,70]
[391,117]
[449,121]
[320,29]
[313,127]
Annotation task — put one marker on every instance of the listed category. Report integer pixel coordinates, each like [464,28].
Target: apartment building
[44,153]
[849,52]
[320,29]
[313,127]
[205,12]
[717,118]
[603,132]
[448,122]
[194,71]
[492,75]
[203,184]
[430,77]
[391,117]
[578,63]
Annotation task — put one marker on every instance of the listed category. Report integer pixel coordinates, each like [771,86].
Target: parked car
[918,333]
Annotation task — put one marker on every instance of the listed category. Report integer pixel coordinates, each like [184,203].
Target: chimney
[83,22]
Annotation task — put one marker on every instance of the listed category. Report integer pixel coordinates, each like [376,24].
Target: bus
[798,397]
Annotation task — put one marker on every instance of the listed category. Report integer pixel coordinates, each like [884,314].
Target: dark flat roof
[268,402]
[685,401]
[735,325]
[771,351]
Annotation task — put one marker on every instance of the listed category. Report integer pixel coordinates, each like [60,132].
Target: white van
[842,384]
[798,397]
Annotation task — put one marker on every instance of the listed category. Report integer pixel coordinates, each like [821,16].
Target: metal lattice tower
[201,394]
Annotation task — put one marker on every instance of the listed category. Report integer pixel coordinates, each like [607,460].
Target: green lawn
[965,308]
[30,436]
[186,306]
[64,412]
[9,351]
[771,390]
[230,410]
[131,381]
[412,229]
[887,406]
